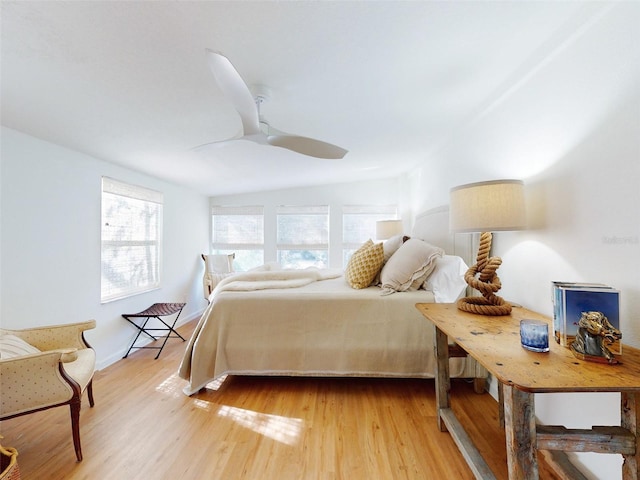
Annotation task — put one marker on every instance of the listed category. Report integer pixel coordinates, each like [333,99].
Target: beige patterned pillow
[12,346]
[364,265]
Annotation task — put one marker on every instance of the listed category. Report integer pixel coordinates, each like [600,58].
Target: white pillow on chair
[12,346]
[216,267]
[220,263]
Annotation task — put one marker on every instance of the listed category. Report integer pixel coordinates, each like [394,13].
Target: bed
[312,322]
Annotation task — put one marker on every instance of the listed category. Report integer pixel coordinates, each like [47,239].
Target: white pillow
[447,279]
[407,268]
[12,346]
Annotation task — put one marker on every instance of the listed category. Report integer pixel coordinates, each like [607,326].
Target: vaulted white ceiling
[127,82]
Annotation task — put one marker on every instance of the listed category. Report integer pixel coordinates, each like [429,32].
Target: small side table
[156,311]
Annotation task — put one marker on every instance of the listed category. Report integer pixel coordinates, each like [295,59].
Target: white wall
[375,192]
[571,131]
[50,243]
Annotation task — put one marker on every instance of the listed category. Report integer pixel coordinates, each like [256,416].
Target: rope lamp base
[481,306]
[482,277]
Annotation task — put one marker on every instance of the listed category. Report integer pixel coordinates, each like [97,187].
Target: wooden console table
[495,343]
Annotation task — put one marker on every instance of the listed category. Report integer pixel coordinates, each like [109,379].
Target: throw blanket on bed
[268,276]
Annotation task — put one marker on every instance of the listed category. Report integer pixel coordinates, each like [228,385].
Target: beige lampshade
[388,228]
[487,206]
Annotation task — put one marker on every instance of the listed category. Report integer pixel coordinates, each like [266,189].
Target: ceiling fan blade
[307,146]
[234,87]
[259,138]
[231,83]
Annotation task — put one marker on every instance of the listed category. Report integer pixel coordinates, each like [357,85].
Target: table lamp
[486,207]
[386,229]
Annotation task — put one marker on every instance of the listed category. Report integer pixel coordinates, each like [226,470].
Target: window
[239,230]
[131,239]
[359,225]
[303,236]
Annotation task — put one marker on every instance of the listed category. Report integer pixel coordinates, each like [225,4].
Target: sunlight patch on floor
[282,429]
[202,404]
[217,383]
[171,386]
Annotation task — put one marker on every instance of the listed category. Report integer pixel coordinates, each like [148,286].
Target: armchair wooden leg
[90,392]
[75,427]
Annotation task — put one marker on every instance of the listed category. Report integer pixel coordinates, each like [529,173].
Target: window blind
[359,221]
[130,239]
[302,236]
[359,225]
[237,226]
[239,230]
[303,226]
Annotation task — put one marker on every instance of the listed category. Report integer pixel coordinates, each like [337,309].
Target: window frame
[136,196]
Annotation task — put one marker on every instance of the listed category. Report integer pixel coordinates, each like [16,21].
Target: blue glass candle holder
[534,335]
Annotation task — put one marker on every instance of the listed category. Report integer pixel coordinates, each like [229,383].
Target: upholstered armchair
[46,367]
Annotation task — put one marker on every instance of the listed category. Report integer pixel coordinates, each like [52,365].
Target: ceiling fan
[248,107]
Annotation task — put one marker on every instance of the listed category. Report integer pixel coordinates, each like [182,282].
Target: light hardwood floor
[144,427]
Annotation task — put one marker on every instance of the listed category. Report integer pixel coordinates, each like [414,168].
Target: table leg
[631,421]
[520,429]
[501,404]
[443,381]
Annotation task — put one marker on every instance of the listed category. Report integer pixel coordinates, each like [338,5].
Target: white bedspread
[309,323]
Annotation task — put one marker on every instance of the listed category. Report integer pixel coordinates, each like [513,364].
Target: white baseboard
[118,354]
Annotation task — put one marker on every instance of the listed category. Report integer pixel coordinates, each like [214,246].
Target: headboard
[433,226]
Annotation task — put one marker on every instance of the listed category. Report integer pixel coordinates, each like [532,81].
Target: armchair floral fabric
[56,375]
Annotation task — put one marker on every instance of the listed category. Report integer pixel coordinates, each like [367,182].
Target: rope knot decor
[482,277]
